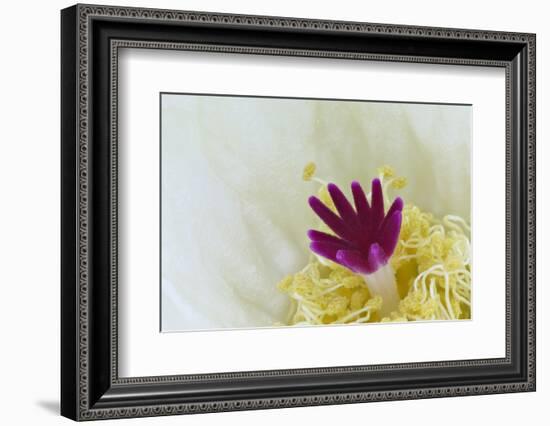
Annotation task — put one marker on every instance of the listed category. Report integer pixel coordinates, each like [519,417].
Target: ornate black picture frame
[90,38]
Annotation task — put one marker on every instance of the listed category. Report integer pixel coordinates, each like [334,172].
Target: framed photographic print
[263,212]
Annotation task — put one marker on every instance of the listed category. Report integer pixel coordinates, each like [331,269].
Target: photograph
[279,211]
[264,209]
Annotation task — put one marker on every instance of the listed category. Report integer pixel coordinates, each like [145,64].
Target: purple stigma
[365,237]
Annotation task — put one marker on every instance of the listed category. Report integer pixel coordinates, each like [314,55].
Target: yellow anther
[358,298]
[353,281]
[285,283]
[309,171]
[399,183]
[386,171]
[337,305]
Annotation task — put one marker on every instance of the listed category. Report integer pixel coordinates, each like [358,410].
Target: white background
[29,229]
